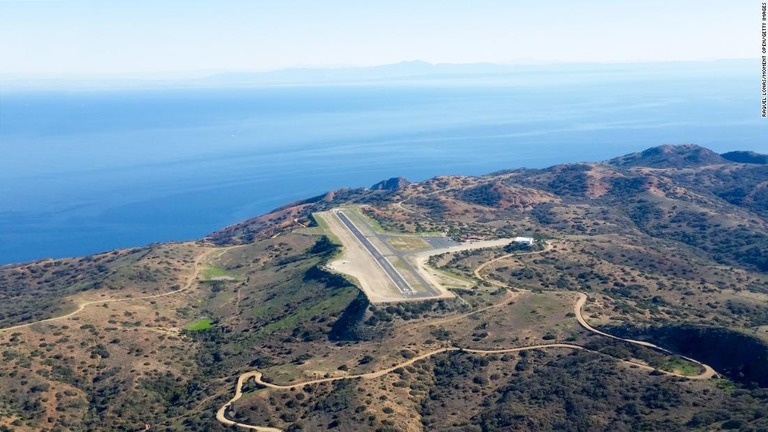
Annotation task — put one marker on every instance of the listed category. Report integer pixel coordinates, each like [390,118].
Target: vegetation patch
[681,366]
[202,324]
[213,272]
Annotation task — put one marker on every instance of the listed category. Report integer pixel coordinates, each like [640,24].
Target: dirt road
[187,285]
[221,414]
[481,267]
[577,309]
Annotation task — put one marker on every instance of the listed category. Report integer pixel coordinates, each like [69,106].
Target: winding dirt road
[481,267]
[187,285]
[221,414]
[577,309]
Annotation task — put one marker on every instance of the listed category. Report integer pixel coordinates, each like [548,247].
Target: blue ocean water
[88,171]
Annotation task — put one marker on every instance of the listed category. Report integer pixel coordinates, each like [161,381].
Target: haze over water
[88,171]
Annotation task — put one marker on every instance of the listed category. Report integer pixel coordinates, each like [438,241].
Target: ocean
[84,171]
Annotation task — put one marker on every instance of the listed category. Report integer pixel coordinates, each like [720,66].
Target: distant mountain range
[419,70]
[397,72]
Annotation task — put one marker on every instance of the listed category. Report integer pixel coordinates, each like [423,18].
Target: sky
[113,37]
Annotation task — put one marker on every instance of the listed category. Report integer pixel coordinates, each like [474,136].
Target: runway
[393,274]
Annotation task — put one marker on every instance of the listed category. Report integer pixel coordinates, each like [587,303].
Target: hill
[746,157]
[666,246]
[395,183]
[669,156]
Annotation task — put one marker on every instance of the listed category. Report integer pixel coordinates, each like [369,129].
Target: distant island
[403,72]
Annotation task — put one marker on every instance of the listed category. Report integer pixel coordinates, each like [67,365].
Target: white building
[528,241]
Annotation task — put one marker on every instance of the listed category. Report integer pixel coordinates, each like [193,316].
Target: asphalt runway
[393,274]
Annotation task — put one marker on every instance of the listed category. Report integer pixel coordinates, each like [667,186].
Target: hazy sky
[130,36]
